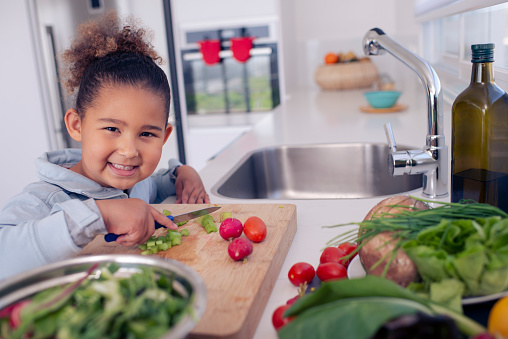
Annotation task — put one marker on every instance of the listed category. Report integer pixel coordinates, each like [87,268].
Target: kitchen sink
[321,171]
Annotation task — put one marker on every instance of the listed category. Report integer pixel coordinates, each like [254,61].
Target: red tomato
[333,254]
[292,300]
[300,273]
[278,319]
[255,229]
[331,271]
[348,247]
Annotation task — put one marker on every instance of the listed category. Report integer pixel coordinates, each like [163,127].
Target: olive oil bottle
[480,135]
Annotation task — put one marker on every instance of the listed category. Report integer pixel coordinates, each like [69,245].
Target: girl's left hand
[189,187]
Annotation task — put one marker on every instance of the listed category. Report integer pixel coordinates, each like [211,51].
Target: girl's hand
[189,187]
[132,219]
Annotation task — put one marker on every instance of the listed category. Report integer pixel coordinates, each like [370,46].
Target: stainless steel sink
[323,171]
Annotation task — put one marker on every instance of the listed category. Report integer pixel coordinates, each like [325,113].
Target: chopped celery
[185,232]
[163,247]
[208,223]
[225,215]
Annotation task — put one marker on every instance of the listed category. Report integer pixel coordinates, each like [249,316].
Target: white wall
[211,12]
[311,28]
[22,127]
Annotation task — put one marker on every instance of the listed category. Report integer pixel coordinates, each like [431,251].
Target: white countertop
[313,118]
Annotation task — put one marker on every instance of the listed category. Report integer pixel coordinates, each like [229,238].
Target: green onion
[408,223]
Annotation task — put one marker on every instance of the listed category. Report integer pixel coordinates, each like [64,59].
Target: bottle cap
[482,53]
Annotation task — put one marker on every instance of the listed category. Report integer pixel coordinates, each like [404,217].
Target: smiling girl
[120,118]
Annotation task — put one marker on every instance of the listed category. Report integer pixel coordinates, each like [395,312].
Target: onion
[402,269]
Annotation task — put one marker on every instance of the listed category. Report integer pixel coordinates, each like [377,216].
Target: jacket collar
[53,167]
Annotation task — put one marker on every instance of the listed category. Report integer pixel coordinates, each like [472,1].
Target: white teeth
[122,167]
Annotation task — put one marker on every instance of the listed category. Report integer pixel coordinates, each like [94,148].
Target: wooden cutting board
[237,291]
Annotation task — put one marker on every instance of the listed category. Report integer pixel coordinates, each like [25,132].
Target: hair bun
[99,37]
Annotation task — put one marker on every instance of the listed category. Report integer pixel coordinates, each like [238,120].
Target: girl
[121,120]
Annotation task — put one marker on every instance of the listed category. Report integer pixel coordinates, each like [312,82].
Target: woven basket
[346,76]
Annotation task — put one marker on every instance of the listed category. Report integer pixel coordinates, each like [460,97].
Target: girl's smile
[121,135]
[122,170]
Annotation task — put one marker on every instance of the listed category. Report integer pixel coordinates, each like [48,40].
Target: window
[447,42]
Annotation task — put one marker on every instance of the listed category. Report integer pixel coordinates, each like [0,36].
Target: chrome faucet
[432,160]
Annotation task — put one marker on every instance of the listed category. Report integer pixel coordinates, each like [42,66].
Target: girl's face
[121,136]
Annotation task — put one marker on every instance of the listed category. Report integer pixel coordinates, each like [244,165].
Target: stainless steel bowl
[187,281]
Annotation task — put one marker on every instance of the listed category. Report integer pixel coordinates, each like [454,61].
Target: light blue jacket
[54,218]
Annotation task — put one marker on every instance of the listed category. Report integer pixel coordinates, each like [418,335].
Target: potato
[402,270]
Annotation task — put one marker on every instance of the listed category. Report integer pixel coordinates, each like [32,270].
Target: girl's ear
[73,124]
[169,129]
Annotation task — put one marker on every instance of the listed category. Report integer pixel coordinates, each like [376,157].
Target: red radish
[230,228]
[333,254]
[239,249]
[15,318]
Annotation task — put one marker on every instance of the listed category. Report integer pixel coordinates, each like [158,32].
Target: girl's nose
[127,148]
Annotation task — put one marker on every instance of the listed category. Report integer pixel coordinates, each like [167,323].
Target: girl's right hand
[132,219]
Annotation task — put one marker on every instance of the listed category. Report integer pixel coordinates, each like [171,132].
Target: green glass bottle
[480,135]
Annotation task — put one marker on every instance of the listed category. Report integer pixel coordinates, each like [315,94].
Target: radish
[230,228]
[239,249]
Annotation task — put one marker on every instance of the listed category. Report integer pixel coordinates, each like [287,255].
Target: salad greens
[144,305]
[469,252]
[357,308]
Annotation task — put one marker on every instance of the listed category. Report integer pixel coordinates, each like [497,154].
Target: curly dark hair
[105,52]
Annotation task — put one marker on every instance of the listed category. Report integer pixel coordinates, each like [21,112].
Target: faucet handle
[390,138]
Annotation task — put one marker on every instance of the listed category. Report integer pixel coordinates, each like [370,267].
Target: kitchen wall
[309,28]
[22,127]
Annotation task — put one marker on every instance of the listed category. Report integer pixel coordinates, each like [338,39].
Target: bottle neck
[482,72]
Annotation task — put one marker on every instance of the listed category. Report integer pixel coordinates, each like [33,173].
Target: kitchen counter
[313,118]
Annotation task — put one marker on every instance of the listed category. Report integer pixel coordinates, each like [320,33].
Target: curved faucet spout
[435,183]
[376,42]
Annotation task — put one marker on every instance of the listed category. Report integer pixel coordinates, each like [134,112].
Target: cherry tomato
[292,300]
[255,229]
[348,247]
[278,319]
[300,273]
[331,271]
[333,254]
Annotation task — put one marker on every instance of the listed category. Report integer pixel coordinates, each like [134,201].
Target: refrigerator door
[55,22]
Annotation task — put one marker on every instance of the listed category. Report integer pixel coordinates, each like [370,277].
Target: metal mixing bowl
[187,282]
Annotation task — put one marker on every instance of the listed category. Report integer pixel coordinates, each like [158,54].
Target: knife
[176,219]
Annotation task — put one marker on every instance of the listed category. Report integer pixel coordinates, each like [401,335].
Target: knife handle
[112,236]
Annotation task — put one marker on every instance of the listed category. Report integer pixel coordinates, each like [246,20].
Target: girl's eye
[147,134]
[111,129]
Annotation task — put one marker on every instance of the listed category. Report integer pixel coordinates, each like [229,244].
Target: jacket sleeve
[164,180]
[34,233]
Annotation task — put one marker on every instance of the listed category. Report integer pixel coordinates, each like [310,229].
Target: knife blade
[176,219]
